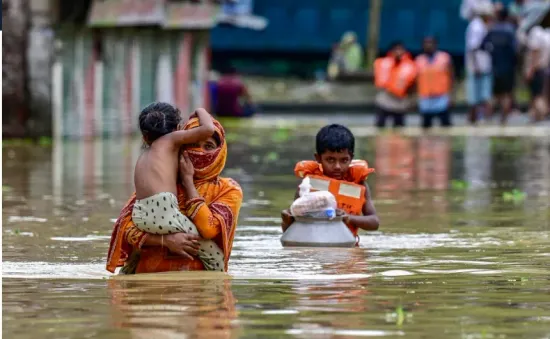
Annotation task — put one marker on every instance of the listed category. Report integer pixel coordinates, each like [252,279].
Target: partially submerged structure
[126,55]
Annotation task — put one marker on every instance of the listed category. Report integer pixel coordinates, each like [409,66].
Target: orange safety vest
[349,193]
[396,79]
[434,78]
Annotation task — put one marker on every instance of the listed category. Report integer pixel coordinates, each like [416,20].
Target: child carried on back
[156,209]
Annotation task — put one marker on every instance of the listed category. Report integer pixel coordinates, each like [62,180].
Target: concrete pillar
[40,52]
[14,68]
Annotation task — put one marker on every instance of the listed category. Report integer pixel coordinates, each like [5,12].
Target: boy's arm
[205,130]
[369,220]
[285,214]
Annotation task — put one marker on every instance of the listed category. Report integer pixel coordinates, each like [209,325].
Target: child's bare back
[157,167]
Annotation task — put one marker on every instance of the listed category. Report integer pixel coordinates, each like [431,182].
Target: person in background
[478,64]
[213,78]
[434,84]
[337,62]
[515,9]
[394,78]
[468,8]
[230,91]
[352,53]
[537,60]
[547,75]
[501,43]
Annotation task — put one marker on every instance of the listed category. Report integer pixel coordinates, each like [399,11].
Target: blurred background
[78,68]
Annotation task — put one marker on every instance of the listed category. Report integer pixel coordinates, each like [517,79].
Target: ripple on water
[436,268]
[81,239]
[351,333]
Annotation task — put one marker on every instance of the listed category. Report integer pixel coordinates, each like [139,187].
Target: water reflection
[161,306]
[443,252]
[394,166]
[477,173]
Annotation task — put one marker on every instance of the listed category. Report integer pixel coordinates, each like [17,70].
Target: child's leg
[160,214]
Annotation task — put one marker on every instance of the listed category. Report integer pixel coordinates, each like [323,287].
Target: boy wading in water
[156,208]
[346,178]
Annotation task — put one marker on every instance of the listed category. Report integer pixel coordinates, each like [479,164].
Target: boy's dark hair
[334,138]
[158,119]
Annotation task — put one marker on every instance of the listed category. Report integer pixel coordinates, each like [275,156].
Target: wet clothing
[443,116]
[159,214]
[390,107]
[357,174]
[434,87]
[214,214]
[383,115]
[434,105]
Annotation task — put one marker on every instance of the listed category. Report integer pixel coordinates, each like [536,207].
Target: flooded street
[463,249]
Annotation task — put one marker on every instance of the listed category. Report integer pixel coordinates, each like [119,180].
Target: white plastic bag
[312,203]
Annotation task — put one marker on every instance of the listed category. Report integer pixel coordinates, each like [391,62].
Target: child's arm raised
[205,130]
[369,221]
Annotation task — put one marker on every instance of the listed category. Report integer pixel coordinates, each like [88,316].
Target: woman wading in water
[212,204]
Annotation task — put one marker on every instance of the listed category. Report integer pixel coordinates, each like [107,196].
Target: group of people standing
[398,77]
[496,55]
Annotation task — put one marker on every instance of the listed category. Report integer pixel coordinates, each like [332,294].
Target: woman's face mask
[199,150]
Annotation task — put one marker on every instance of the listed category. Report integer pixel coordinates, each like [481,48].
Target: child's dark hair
[334,138]
[158,119]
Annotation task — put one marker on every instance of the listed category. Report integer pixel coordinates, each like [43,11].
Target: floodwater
[463,250]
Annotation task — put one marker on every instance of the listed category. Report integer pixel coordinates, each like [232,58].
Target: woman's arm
[198,211]
[210,219]
[186,245]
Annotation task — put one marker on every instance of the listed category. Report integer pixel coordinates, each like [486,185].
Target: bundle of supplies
[319,204]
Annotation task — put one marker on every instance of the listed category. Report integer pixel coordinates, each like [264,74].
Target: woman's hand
[186,245]
[187,171]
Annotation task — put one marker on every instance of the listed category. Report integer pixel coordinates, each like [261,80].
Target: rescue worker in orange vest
[394,77]
[344,177]
[434,84]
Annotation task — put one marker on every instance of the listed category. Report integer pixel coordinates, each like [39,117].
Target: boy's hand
[346,218]
[287,219]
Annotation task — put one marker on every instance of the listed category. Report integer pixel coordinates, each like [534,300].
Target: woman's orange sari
[214,214]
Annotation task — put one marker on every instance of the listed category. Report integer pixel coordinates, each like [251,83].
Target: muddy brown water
[463,250]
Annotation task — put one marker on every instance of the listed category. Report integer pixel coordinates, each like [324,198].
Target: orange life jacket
[349,193]
[396,79]
[434,78]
